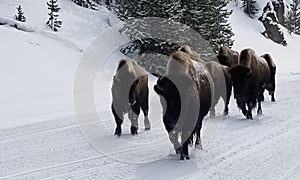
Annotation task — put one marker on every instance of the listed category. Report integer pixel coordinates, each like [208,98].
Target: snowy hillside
[40,137]
[37,68]
[248,34]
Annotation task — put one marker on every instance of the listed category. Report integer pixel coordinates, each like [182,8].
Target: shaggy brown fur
[130,94]
[227,56]
[222,84]
[249,77]
[186,91]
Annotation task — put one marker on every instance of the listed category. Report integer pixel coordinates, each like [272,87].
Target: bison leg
[226,103]
[273,86]
[242,106]
[212,112]
[261,96]
[174,140]
[198,142]
[249,113]
[145,109]
[259,110]
[227,99]
[184,153]
[260,99]
[119,122]
[272,96]
[133,115]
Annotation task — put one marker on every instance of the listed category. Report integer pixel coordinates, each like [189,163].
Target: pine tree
[207,17]
[91,5]
[220,30]
[250,7]
[86,4]
[297,19]
[20,16]
[293,18]
[52,21]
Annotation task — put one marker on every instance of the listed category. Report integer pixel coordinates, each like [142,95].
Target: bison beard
[186,99]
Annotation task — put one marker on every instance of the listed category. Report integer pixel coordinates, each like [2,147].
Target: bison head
[180,101]
[241,79]
[222,59]
[170,100]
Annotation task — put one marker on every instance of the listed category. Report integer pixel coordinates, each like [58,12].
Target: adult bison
[250,77]
[185,93]
[221,79]
[227,56]
[222,85]
[272,84]
[130,94]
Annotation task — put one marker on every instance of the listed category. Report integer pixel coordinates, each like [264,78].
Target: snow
[40,137]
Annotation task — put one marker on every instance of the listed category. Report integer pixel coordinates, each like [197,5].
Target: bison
[227,56]
[272,84]
[130,94]
[250,77]
[221,79]
[222,85]
[186,96]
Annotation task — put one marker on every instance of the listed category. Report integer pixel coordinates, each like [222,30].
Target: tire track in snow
[276,135]
[53,143]
[241,155]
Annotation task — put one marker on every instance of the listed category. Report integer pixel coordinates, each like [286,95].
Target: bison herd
[190,89]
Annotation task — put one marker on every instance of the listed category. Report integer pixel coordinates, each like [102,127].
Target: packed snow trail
[266,147]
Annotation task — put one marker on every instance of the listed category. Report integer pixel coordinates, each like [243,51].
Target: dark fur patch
[181,69]
[227,56]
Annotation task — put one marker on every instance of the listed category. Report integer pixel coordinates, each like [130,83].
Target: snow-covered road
[264,148]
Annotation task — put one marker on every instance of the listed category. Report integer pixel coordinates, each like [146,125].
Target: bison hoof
[244,112]
[259,112]
[199,146]
[183,156]
[249,116]
[118,132]
[133,130]
[225,113]
[212,114]
[147,128]
[273,99]
[177,150]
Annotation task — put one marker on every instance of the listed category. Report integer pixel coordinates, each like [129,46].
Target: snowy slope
[41,139]
[37,68]
[248,34]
